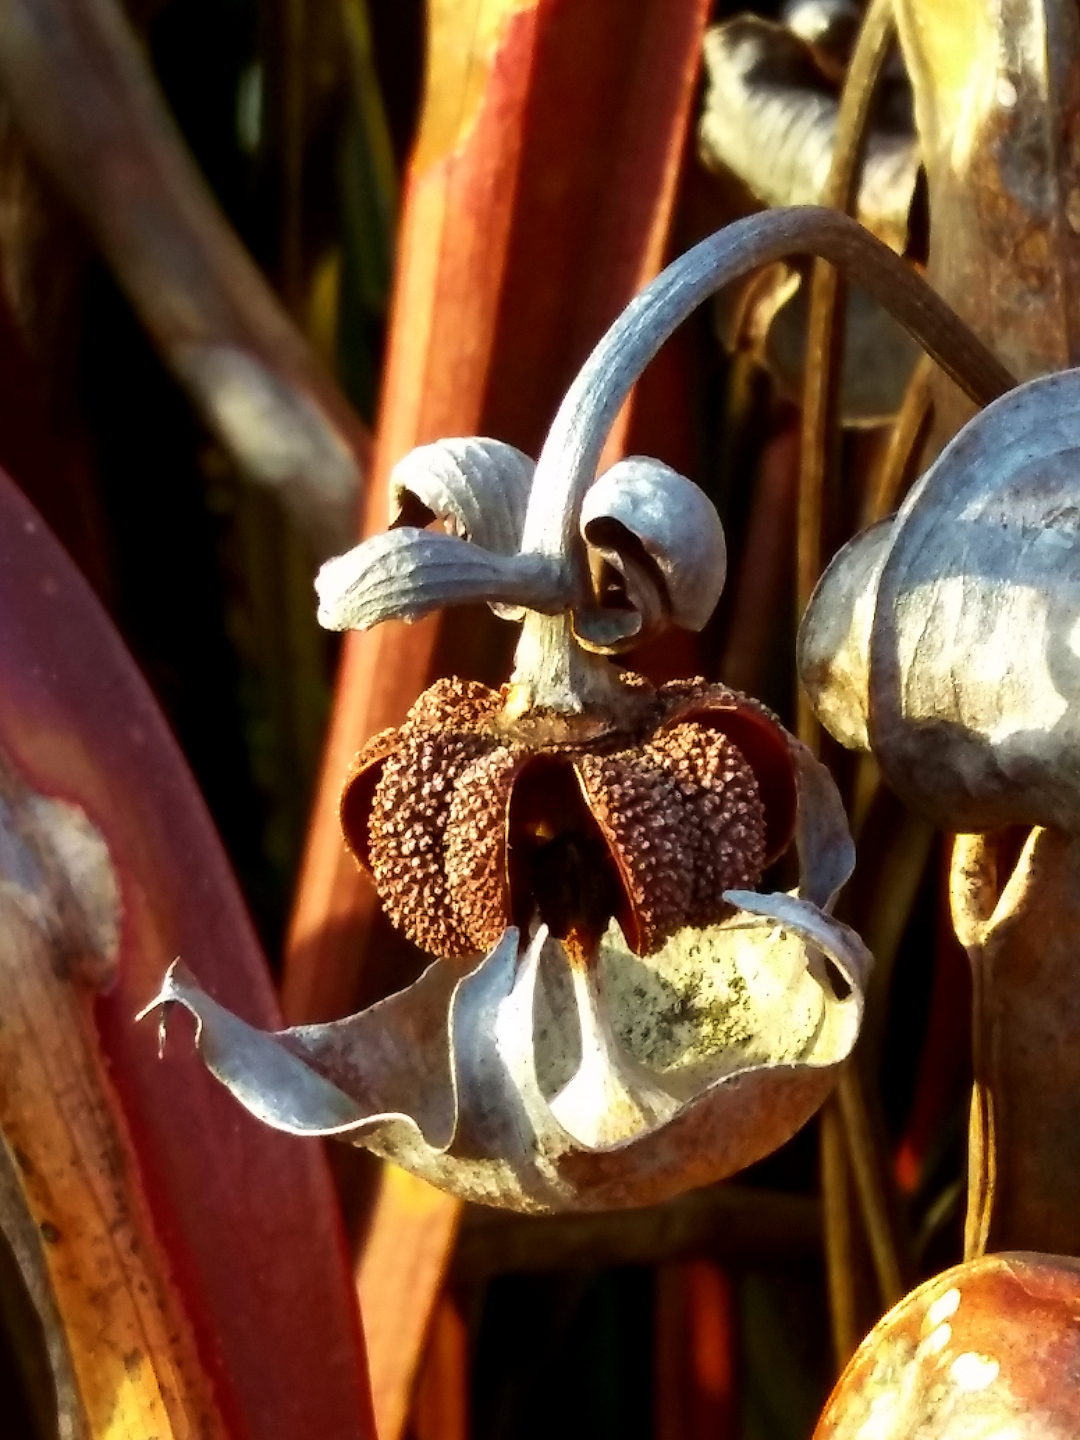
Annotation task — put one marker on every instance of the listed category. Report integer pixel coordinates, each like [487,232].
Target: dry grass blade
[885,489]
[89,108]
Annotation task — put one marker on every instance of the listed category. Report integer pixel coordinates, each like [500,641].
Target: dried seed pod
[636,1027]
[946,639]
[470,821]
[987,1350]
[541,1084]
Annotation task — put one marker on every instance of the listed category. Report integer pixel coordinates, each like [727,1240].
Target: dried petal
[642,507]
[406,831]
[480,486]
[403,574]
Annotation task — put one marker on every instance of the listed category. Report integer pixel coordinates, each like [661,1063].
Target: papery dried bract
[954,626]
[480,486]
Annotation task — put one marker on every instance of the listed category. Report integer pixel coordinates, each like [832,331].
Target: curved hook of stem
[572,449]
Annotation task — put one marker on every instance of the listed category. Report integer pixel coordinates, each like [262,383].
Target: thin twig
[883,493]
[866,1167]
[836,1233]
[824,333]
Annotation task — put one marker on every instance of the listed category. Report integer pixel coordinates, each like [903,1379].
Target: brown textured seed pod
[989,1350]
[472,818]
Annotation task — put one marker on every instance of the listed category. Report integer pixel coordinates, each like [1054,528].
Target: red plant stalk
[188,1262]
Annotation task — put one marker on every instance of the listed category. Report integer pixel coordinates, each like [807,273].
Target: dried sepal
[406,573]
[641,509]
[477,486]
[952,627]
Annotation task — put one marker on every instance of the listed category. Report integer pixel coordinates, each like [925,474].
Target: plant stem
[571,452]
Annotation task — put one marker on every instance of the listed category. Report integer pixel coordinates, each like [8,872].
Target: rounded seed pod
[985,1351]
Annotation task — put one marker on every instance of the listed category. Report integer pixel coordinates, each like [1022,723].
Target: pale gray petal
[480,486]
[643,503]
[406,573]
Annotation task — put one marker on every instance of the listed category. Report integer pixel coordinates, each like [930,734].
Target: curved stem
[572,450]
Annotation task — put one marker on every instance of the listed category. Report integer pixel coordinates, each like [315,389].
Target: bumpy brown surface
[725,815]
[679,809]
[476,836]
[406,831]
[642,817]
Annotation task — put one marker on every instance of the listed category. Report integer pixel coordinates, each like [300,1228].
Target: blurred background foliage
[301,116]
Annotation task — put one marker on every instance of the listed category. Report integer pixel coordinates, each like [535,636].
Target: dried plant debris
[613,1013]
[770,120]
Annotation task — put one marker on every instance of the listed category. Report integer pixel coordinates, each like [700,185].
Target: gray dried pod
[946,640]
[613,1015]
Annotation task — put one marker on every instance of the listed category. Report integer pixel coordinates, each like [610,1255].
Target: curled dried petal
[480,486]
[404,574]
[641,507]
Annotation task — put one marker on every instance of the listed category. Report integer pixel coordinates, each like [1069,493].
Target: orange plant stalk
[537,202]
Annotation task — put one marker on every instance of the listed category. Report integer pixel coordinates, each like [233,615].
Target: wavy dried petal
[406,833]
[723,802]
[457,1080]
[476,843]
[641,814]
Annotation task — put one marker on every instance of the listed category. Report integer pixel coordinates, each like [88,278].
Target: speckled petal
[720,792]
[406,832]
[453,704]
[476,835]
[756,732]
[647,828]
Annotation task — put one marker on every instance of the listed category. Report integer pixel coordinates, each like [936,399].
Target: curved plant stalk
[86,102]
[820,439]
[196,1293]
